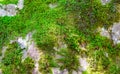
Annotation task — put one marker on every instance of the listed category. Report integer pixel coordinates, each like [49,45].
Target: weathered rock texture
[105,1]
[115,32]
[112,33]
[11,9]
[30,51]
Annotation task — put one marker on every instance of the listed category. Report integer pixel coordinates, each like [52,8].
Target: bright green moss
[73,20]
[8,1]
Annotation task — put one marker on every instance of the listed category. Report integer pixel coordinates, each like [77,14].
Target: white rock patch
[20,4]
[104,32]
[116,33]
[11,9]
[30,51]
[52,6]
[113,34]
[3,53]
[105,1]
[84,64]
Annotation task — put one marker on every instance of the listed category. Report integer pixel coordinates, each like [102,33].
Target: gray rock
[104,32]
[105,1]
[11,9]
[53,5]
[116,33]
[3,12]
[56,71]
[113,33]
[84,64]
[20,4]
[74,72]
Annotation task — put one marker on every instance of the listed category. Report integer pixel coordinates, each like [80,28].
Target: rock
[65,71]
[11,9]
[105,1]
[33,52]
[104,32]
[20,4]
[36,69]
[106,54]
[79,72]
[3,12]
[8,10]
[74,72]
[56,71]
[30,51]
[53,5]
[84,64]
[116,33]
[3,53]
[22,42]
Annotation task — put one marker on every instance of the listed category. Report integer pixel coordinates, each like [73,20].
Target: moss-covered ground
[74,22]
[8,1]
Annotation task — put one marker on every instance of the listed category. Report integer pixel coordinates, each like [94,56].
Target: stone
[3,12]
[52,6]
[84,64]
[30,51]
[20,4]
[104,32]
[116,33]
[74,72]
[106,54]
[56,71]
[22,42]
[105,1]
[65,71]
[11,9]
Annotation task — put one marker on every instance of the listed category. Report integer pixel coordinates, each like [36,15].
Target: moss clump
[12,61]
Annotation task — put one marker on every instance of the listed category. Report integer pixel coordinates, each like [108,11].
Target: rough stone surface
[84,64]
[3,52]
[105,1]
[11,9]
[116,33]
[58,71]
[104,32]
[30,51]
[113,33]
[20,4]
[53,5]
[2,12]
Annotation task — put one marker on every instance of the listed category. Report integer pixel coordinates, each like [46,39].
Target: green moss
[46,63]
[12,61]
[9,1]
[75,21]
[69,60]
